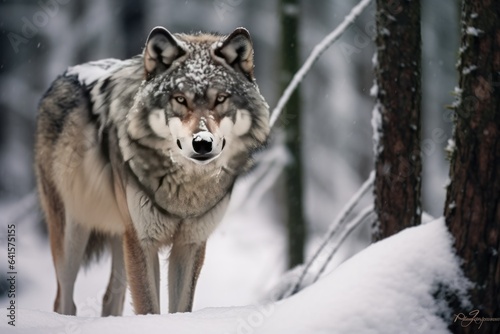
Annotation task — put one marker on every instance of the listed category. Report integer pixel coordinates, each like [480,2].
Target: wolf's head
[200,99]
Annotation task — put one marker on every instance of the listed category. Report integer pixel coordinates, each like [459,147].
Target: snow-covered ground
[386,288]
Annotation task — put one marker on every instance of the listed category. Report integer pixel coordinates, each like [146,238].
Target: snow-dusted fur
[143,153]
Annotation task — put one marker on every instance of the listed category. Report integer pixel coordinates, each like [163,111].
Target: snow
[468,69]
[90,72]
[374,89]
[314,56]
[385,32]
[473,31]
[451,146]
[376,120]
[387,288]
[203,136]
[377,128]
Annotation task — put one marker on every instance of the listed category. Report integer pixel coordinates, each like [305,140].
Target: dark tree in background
[290,63]
[132,17]
[472,207]
[398,164]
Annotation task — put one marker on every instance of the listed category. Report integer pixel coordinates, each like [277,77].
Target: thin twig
[345,233]
[334,228]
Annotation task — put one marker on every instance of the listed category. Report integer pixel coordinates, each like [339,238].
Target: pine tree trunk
[290,63]
[398,164]
[472,207]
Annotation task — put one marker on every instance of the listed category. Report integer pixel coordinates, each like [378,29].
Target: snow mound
[387,288]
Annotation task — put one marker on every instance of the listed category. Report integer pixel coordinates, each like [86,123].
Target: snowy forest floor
[389,287]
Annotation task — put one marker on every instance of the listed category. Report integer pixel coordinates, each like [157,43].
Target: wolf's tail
[96,247]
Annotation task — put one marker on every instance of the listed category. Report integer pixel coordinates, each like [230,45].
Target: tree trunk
[132,17]
[289,10]
[397,117]
[472,207]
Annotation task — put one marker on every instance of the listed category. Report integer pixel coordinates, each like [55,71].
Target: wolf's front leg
[184,268]
[142,271]
[112,303]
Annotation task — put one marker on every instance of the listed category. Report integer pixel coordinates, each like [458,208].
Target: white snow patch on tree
[377,129]
[376,120]
[451,146]
[473,31]
[374,89]
[468,69]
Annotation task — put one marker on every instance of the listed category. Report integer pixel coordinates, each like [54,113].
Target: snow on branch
[314,56]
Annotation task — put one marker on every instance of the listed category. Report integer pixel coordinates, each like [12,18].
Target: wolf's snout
[202,142]
[202,146]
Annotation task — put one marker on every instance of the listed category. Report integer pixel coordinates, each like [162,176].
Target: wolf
[140,154]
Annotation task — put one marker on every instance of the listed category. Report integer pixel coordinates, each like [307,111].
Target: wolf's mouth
[202,157]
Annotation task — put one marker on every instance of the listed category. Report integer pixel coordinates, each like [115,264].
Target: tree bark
[290,63]
[472,207]
[398,163]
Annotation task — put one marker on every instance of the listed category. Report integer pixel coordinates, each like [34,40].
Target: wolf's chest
[188,196]
[190,212]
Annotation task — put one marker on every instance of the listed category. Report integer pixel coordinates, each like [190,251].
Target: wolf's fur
[143,153]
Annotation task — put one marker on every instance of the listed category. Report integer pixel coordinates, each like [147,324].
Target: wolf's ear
[237,51]
[162,48]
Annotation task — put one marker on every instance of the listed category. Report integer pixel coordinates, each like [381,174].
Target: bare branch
[362,217]
[334,230]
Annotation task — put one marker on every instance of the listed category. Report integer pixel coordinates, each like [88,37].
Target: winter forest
[374,208]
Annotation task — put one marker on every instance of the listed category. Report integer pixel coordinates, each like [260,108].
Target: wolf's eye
[220,99]
[181,100]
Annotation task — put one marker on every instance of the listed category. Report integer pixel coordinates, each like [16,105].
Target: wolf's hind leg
[185,264]
[112,303]
[76,237]
[54,217]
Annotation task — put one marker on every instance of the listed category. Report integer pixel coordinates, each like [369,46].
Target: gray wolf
[135,155]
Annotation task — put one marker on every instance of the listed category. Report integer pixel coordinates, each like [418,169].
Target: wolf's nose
[202,142]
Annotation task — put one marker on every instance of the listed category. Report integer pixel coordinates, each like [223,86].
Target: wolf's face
[201,99]
[202,125]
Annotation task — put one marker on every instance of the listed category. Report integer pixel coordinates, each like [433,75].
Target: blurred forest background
[40,39]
